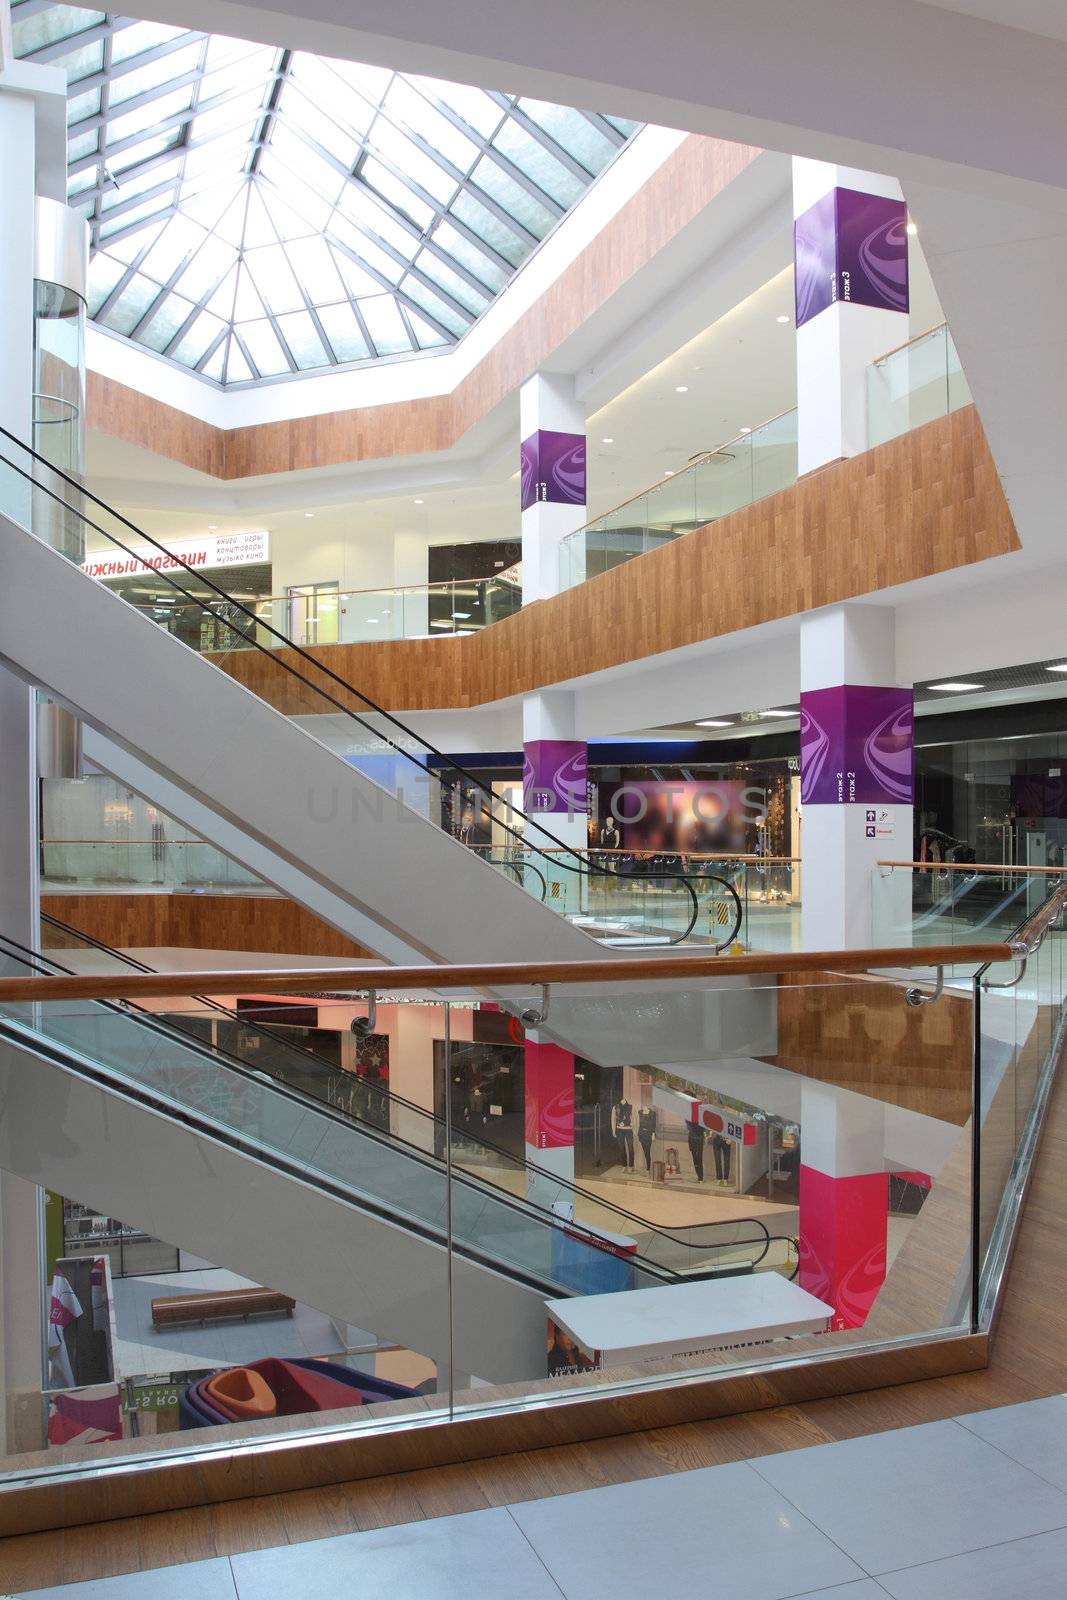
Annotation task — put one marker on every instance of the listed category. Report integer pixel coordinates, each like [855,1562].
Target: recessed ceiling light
[212,527]
[669,473]
[778,713]
[955,688]
[713,722]
[420,502]
[681,388]
[1061,668]
[744,430]
[309,513]
[607,441]
[911,228]
[783,319]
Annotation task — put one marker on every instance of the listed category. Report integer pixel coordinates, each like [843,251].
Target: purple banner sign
[553,469]
[851,246]
[857,746]
[554,776]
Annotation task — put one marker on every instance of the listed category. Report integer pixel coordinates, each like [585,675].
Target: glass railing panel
[774,456]
[776,1088]
[913,385]
[938,902]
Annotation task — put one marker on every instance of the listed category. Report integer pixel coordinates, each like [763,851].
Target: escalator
[263,1169]
[194,738]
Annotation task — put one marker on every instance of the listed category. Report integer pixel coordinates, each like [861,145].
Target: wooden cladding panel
[857,1033]
[676,193]
[927,502]
[263,923]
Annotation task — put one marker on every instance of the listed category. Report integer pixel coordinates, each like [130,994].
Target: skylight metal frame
[392,263]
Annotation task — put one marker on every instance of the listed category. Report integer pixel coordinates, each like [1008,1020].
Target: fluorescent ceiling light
[681,388]
[778,713]
[462,615]
[1062,667]
[744,430]
[607,441]
[713,722]
[955,688]
[669,472]
[781,319]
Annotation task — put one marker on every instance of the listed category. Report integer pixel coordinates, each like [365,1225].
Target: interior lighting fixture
[420,502]
[783,319]
[713,722]
[744,430]
[1062,667]
[778,713]
[911,228]
[607,441]
[462,616]
[955,688]
[212,527]
[441,622]
[681,388]
[669,472]
[309,513]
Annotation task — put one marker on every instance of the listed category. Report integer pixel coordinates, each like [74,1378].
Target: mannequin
[694,1132]
[622,1126]
[646,1132]
[723,1149]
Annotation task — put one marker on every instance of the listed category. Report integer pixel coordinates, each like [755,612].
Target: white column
[20,1303]
[552,432]
[555,790]
[856,763]
[851,261]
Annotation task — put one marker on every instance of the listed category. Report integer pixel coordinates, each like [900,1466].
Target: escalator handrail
[408,1105]
[302,654]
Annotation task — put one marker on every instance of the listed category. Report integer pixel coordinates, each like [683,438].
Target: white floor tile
[892,1500]
[1034,1433]
[207,1580]
[717,1532]
[1034,1569]
[480,1554]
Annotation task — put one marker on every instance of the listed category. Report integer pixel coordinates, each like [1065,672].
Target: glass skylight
[256,211]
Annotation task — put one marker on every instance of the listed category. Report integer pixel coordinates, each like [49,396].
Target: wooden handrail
[504,975]
[1034,929]
[968,866]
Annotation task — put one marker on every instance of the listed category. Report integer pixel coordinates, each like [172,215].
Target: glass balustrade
[749,468]
[917,383]
[464,1266]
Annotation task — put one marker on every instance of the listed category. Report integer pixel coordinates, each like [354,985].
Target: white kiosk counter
[683,1319]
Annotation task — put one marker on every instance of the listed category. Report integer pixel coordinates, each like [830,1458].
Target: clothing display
[646,1132]
[695,1135]
[723,1149]
[622,1126]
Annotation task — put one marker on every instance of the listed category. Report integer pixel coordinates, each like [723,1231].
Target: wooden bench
[216,1305]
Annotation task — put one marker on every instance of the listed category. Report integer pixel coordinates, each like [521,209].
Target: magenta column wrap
[857,746]
[554,778]
[851,247]
[552,469]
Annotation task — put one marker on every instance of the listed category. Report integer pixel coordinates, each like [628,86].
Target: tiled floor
[971,1509]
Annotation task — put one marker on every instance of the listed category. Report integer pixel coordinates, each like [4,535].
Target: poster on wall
[683,816]
[565,1359]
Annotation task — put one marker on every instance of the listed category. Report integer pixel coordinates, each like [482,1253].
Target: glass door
[314,610]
